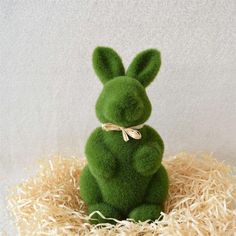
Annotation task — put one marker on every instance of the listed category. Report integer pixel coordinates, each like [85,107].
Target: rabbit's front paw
[147,160]
[106,167]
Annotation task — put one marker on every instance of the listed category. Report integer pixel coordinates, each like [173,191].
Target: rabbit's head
[123,100]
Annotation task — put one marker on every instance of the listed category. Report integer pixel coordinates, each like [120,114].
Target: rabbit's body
[124,179]
[126,188]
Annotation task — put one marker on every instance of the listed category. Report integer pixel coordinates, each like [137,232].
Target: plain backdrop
[48,88]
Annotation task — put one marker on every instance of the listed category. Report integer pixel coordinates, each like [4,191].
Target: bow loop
[126,132]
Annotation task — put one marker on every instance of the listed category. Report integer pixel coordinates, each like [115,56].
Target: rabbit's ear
[107,64]
[145,66]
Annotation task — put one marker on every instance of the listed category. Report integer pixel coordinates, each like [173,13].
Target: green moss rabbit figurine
[124,177]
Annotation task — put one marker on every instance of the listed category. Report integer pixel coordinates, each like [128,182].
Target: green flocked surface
[124,179]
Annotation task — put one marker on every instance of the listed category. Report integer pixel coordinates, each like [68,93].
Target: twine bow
[126,132]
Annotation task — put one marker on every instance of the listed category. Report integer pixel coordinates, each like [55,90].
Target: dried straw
[201,201]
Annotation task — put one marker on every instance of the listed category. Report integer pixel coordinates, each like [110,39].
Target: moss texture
[124,179]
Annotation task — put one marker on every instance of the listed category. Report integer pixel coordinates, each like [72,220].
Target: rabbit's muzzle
[128,109]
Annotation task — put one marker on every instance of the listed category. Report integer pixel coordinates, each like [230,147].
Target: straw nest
[201,201]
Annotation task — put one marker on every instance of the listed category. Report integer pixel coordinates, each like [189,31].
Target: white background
[48,88]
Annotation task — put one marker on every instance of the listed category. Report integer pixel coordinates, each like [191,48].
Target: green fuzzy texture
[145,211]
[107,64]
[124,179]
[145,66]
